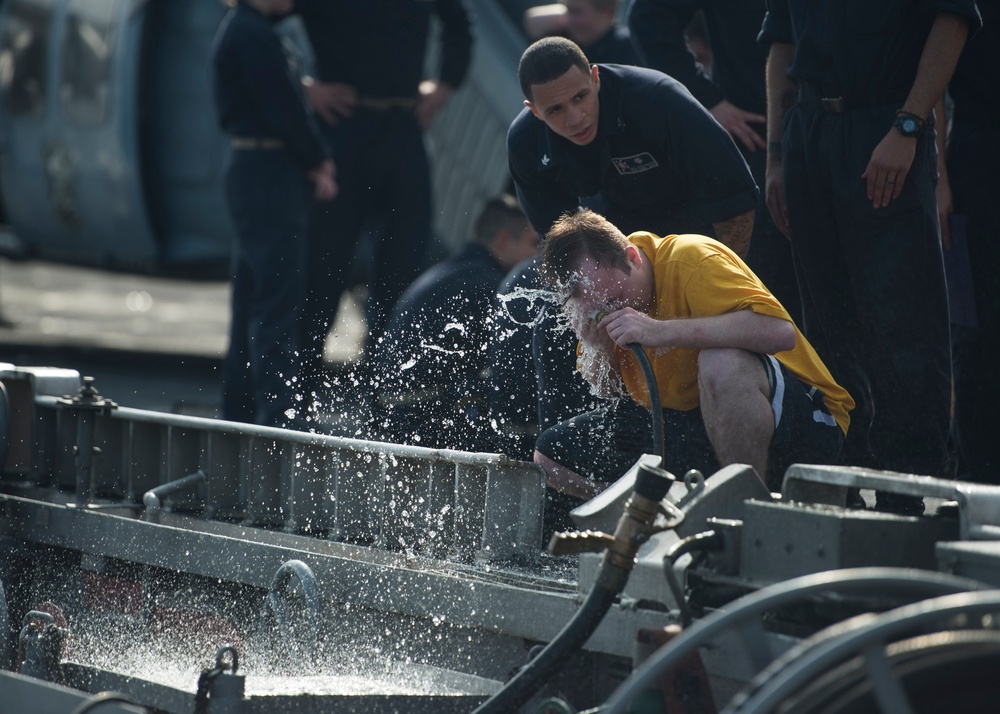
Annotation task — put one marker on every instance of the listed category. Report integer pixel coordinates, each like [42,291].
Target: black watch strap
[909,124]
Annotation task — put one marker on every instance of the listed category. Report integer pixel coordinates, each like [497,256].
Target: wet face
[604,288]
[568,104]
[586,24]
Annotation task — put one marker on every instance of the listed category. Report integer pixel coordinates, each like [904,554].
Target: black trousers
[873,286]
[268,196]
[384,179]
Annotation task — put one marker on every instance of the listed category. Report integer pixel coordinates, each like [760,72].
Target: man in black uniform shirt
[277,151]
[428,367]
[632,144]
[735,95]
[850,174]
[369,65]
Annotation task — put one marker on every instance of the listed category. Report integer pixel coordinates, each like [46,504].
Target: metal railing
[436,502]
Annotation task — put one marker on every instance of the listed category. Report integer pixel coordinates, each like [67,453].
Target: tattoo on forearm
[735,232]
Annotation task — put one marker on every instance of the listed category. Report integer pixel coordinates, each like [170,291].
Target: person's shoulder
[454,274]
[689,248]
[431,277]
[697,243]
[525,126]
[226,30]
[630,75]
[705,254]
[645,239]
[522,275]
[656,105]
[644,85]
[477,277]
[525,139]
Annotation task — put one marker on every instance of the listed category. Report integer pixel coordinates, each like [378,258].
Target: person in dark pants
[277,152]
[850,177]
[631,143]
[966,192]
[735,95]
[369,66]
[429,368]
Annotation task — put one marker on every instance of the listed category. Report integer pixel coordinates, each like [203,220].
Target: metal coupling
[636,525]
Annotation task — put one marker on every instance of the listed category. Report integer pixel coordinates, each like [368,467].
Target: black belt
[248,142]
[813,98]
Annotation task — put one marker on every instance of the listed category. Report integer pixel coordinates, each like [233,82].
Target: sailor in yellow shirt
[737,381]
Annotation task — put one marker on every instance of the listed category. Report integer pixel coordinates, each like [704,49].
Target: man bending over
[737,380]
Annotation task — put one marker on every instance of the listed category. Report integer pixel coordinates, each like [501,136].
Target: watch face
[908,126]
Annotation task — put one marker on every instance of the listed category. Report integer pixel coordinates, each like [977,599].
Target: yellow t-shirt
[696,276]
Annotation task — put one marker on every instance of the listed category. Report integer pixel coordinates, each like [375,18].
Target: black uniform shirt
[659,161]
[858,48]
[738,60]
[378,46]
[255,94]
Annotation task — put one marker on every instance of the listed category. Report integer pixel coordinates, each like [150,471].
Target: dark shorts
[603,444]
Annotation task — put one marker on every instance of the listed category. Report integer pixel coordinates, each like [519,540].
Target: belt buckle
[834,105]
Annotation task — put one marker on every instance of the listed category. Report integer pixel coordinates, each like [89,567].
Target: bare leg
[736,407]
[565,481]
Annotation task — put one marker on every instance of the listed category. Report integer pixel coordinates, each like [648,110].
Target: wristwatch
[909,124]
